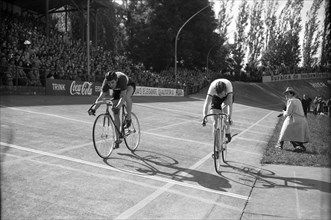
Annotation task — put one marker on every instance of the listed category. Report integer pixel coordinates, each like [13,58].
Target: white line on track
[129,212]
[139,183]
[247,129]
[261,133]
[297,198]
[145,132]
[22,158]
[168,181]
[191,113]
[254,140]
[152,196]
[46,114]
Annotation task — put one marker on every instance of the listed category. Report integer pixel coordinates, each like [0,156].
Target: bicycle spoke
[224,146]
[132,134]
[216,155]
[103,135]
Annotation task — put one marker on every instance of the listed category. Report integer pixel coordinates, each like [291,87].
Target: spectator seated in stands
[21,79]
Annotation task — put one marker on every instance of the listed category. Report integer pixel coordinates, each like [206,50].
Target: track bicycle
[220,141]
[104,131]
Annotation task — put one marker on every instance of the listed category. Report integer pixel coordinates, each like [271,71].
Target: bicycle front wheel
[223,145]
[132,134]
[217,153]
[103,135]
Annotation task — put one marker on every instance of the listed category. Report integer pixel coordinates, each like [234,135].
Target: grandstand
[29,58]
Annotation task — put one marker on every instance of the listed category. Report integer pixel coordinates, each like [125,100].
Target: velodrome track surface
[50,170]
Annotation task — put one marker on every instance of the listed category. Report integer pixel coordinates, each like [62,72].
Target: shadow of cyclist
[264,178]
[155,164]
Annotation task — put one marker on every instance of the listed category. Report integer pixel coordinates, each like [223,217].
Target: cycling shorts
[217,102]
[116,93]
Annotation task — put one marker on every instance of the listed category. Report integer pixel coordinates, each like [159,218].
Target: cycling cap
[111,75]
[220,87]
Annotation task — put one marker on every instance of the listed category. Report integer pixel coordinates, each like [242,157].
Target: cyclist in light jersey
[220,98]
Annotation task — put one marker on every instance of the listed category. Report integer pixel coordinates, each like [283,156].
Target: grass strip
[318,152]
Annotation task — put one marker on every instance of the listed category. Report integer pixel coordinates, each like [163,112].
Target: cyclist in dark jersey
[122,88]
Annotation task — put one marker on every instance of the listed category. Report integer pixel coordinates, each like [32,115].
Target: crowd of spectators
[283,70]
[318,106]
[28,57]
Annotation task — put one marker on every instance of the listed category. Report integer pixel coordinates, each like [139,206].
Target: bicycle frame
[219,138]
[130,134]
[222,117]
[109,103]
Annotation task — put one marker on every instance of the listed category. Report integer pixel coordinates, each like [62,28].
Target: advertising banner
[80,88]
[278,78]
[67,87]
[152,91]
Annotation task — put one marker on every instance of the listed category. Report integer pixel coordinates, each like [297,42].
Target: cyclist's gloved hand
[230,121]
[91,111]
[204,122]
[116,110]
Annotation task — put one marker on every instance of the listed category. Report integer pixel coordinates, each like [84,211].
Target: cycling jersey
[216,100]
[122,84]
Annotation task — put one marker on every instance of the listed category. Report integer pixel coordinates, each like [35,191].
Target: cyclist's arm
[122,98]
[100,98]
[229,103]
[206,105]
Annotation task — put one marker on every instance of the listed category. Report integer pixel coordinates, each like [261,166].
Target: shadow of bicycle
[151,163]
[263,178]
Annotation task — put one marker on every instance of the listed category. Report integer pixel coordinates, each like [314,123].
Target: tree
[225,16]
[256,33]
[311,41]
[109,30]
[155,47]
[137,19]
[239,50]
[326,45]
[284,49]
[270,20]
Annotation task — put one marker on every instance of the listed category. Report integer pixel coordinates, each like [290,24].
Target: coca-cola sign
[84,88]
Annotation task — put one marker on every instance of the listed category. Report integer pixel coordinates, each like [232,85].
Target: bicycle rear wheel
[103,135]
[217,153]
[132,134]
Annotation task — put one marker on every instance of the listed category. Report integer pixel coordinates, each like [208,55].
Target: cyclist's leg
[116,119]
[128,99]
[216,107]
[116,97]
[215,121]
[227,126]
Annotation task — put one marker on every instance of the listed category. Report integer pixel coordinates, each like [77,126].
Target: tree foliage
[256,33]
[270,20]
[240,41]
[154,40]
[284,49]
[225,16]
[144,31]
[326,45]
[312,35]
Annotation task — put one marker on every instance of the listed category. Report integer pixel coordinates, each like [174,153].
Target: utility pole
[178,35]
